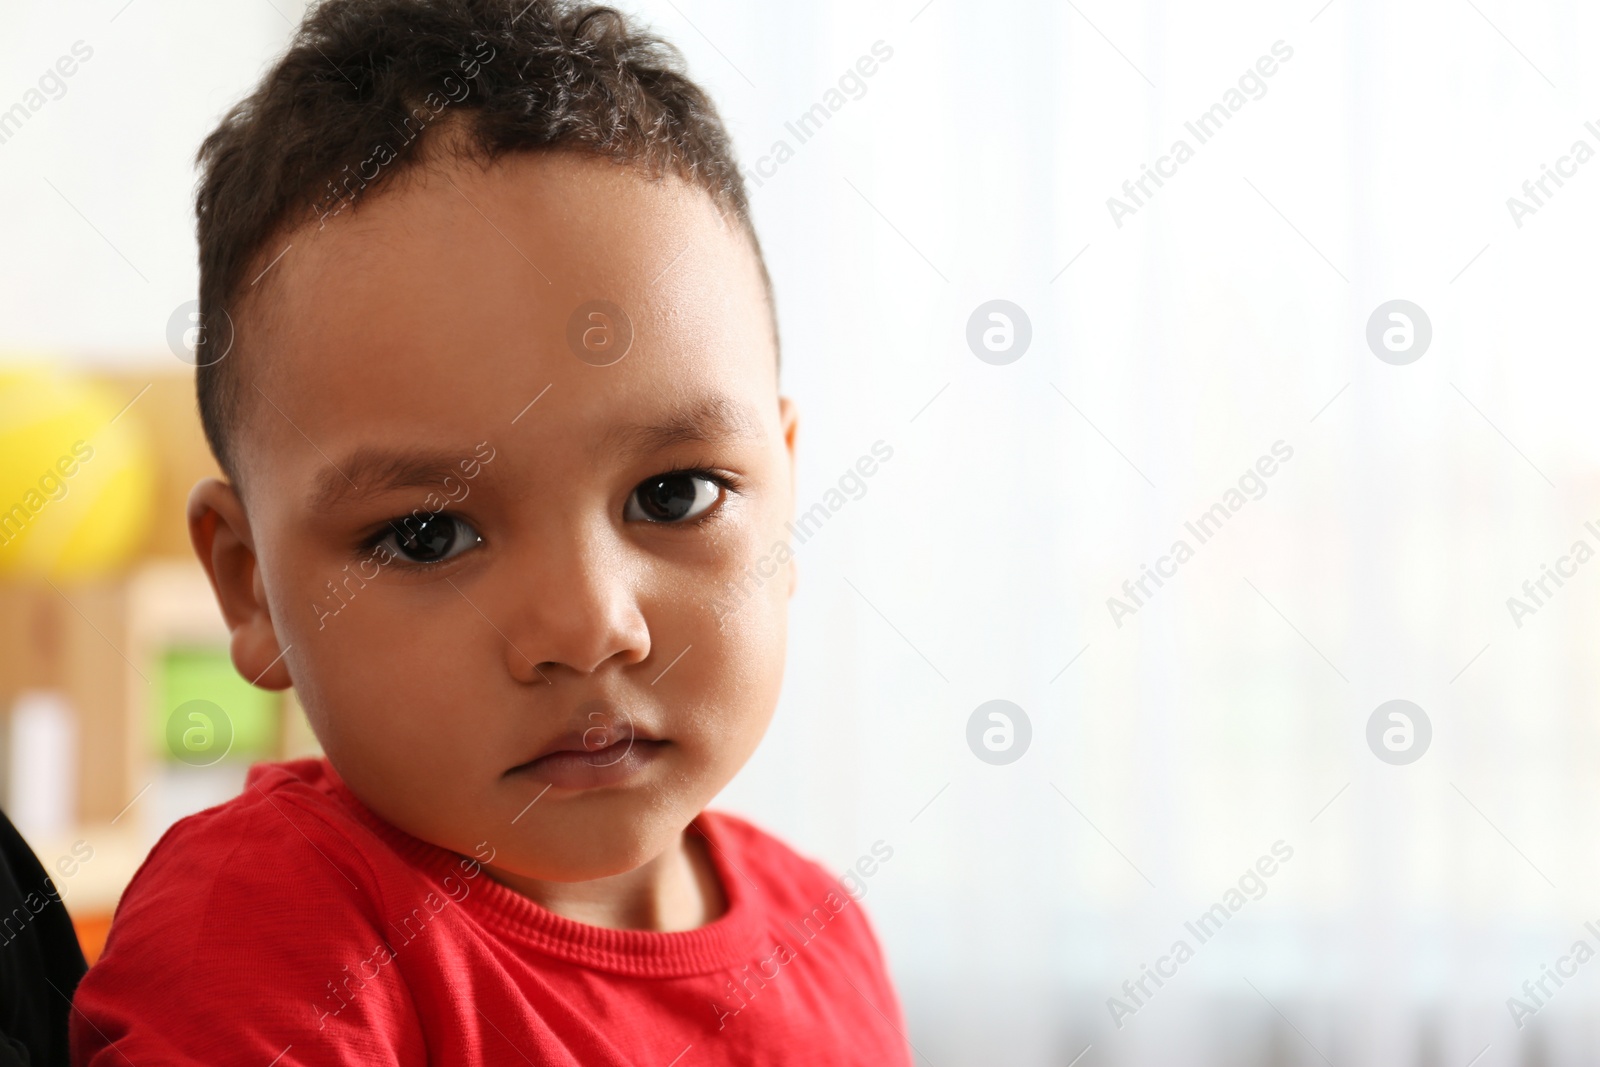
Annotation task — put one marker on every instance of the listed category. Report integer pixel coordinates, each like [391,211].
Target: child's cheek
[754,572]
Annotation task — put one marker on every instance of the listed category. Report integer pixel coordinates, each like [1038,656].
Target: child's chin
[581,853]
[547,867]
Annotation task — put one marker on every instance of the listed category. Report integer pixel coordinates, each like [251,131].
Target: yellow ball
[75,487]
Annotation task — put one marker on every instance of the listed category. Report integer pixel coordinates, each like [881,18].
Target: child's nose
[574,611]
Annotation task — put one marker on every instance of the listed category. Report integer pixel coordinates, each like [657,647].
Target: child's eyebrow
[370,471]
[709,420]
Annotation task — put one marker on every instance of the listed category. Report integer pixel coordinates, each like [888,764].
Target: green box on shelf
[187,673]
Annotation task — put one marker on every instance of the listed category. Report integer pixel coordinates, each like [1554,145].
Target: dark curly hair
[360,83]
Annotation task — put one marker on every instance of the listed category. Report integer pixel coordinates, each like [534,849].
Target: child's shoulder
[224,909]
[284,846]
[283,822]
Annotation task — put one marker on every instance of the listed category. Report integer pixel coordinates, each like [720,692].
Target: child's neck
[678,890]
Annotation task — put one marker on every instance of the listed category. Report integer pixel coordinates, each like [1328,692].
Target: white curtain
[1227,313]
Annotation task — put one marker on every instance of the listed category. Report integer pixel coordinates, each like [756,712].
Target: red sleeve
[249,936]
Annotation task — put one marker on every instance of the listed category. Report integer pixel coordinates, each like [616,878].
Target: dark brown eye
[672,497]
[431,539]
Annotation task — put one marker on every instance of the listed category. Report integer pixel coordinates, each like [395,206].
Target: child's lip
[590,742]
[605,732]
[612,765]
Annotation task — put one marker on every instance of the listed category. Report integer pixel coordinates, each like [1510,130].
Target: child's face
[396,352]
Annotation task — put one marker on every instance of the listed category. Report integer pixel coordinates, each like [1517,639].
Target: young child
[492,377]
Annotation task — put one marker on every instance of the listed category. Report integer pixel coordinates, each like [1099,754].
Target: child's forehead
[471,304]
[561,215]
[535,244]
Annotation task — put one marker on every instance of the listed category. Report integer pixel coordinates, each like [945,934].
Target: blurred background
[1341,278]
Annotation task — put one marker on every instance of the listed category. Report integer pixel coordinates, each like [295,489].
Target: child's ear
[788,419]
[220,533]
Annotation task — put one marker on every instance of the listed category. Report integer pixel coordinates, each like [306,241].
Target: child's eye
[674,497]
[429,540]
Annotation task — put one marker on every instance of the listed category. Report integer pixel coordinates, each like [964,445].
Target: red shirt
[292,922]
